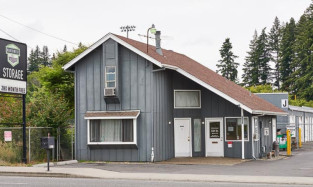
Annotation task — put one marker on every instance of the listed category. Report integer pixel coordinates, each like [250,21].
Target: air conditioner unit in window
[109,92]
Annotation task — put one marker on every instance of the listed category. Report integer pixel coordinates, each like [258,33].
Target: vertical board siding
[134,79]
[162,115]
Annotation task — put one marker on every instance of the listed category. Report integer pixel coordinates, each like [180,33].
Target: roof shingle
[206,75]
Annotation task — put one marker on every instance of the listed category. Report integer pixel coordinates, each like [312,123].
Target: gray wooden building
[139,103]
[298,117]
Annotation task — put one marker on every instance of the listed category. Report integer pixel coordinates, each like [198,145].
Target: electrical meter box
[47,142]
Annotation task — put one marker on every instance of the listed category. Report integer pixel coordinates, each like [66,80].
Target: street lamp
[128,28]
[153,31]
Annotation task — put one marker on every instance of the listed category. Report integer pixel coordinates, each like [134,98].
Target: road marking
[306,168]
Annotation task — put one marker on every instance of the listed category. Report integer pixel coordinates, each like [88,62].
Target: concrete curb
[52,164]
[40,174]
[104,174]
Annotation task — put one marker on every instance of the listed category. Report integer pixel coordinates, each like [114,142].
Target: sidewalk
[104,174]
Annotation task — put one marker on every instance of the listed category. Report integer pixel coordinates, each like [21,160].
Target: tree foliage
[227,65]
[274,40]
[38,58]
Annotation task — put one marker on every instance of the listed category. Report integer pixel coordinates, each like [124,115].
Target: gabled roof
[194,71]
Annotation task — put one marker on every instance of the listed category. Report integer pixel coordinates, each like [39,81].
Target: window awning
[129,114]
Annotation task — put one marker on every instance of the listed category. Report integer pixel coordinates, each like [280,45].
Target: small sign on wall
[230,144]
[266,131]
[284,103]
[7,136]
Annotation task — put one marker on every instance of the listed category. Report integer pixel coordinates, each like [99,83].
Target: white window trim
[105,76]
[134,142]
[240,125]
[187,107]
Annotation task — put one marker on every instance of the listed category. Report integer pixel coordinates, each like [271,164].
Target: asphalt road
[68,182]
[301,165]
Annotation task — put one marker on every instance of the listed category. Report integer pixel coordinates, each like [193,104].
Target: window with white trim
[112,131]
[110,77]
[233,129]
[187,99]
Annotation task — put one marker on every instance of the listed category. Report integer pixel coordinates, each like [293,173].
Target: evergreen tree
[227,65]
[46,61]
[34,59]
[274,38]
[250,74]
[263,57]
[286,54]
[303,62]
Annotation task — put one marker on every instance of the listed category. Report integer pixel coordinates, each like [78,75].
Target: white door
[214,142]
[182,134]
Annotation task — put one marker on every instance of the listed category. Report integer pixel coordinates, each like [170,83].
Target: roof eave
[118,40]
[263,112]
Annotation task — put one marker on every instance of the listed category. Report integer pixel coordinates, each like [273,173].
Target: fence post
[72,142]
[29,143]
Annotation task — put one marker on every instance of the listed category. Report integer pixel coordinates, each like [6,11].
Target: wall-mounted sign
[266,131]
[13,67]
[7,136]
[284,103]
[230,144]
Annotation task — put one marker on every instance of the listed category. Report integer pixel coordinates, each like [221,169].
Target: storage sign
[13,67]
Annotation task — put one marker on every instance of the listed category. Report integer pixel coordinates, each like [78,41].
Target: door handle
[188,139]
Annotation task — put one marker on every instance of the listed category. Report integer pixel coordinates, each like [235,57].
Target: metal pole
[72,142]
[242,137]
[24,159]
[148,39]
[48,159]
[29,144]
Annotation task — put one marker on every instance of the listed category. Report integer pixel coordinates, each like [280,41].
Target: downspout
[252,139]
[152,124]
[304,127]
[242,136]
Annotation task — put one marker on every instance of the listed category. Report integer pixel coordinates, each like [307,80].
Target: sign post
[13,75]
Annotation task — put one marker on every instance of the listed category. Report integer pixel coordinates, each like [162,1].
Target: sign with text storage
[13,67]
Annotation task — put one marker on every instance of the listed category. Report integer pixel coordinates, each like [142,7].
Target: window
[110,77]
[112,131]
[197,135]
[233,129]
[187,99]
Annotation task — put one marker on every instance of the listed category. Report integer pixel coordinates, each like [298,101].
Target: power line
[9,35]
[50,35]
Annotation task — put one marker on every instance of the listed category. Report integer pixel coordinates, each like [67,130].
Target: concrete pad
[52,164]
[204,160]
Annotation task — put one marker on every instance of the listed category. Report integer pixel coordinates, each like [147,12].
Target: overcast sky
[196,28]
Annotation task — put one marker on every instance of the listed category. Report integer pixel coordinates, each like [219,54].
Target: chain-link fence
[11,144]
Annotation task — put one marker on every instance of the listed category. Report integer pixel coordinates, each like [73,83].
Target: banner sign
[13,67]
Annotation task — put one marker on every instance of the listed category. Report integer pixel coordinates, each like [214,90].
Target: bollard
[288,143]
[276,148]
[300,143]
